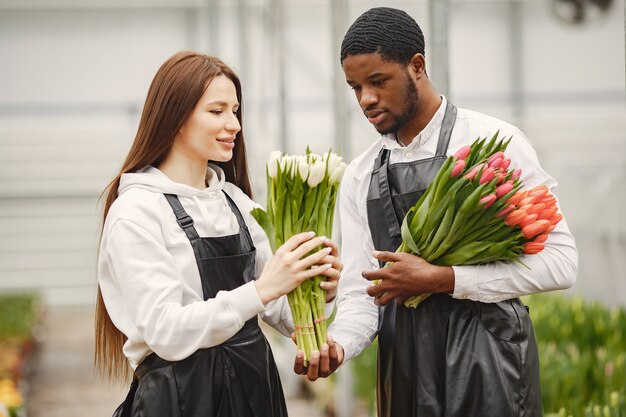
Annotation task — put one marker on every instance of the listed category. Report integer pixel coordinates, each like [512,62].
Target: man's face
[384,89]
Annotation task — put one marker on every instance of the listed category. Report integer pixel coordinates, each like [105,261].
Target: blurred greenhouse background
[74,75]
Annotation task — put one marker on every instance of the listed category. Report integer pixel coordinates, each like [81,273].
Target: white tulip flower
[303,169]
[273,162]
[316,174]
[334,161]
[336,175]
[286,165]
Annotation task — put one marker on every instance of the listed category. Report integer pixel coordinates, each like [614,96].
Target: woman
[183,268]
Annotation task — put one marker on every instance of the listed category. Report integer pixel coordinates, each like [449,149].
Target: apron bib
[237,378]
[447,357]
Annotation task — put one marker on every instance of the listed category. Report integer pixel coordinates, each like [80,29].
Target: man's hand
[322,363]
[408,275]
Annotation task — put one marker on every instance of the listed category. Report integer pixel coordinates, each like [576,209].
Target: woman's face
[209,132]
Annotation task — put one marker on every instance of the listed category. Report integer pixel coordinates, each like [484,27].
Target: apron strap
[235,210]
[382,163]
[447,124]
[183,219]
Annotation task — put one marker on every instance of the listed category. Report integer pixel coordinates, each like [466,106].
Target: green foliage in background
[582,350]
[18,315]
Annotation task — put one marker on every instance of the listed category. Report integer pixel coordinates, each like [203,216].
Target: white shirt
[554,268]
[148,274]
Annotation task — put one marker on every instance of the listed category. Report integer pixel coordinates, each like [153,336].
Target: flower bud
[462,153]
[333,161]
[539,191]
[459,166]
[516,174]
[496,163]
[556,218]
[504,189]
[487,176]
[495,156]
[531,248]
[536,208]
[303,169]
[286,165]
[535,228]
[316,173]
[515,217]
[505,164]
[474,171]
[488,200]
[506,210]
[515,198]
[547,213]
[529,219]
[272,163]
[336,175]
[528,200]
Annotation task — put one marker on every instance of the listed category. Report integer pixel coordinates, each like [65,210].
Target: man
[469,349]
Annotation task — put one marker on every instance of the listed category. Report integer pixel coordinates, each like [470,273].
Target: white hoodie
[148,274]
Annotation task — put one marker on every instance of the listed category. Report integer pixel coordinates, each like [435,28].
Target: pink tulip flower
[462,153]
[487,176]
[488,200]
[474,171]
[494,157]
[504,189]
[458,167]
[506,210]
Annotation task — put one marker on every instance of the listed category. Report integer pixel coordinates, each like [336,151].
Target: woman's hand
[286,270]
[333,274]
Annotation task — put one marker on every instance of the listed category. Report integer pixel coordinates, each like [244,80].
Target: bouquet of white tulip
[301,195]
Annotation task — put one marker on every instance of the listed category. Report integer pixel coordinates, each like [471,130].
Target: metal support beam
[214,29]
[439,74]
[279,53]
[243,43]
[515,58]
[339,17]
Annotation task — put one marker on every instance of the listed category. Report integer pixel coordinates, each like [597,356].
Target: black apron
[447,357]
[238,378]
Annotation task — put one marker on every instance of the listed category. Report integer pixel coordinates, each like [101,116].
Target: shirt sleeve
[151,289]
[356,320]
[277,312]
[554,268]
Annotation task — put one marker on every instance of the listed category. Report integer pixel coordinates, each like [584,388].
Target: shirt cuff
[465,282]
[469,284]
[246,302]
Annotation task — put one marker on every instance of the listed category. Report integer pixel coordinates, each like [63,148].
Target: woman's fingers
[295,241]
[313,271]
[333,245]
[312,259]
[329,285]
[334,260]
[309,246]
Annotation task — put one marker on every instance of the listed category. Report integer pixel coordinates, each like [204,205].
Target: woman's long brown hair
[173,94]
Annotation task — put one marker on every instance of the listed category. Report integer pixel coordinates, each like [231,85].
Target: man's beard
[410,108]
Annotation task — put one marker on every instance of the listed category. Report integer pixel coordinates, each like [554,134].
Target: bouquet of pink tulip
[473,212]
[301,195]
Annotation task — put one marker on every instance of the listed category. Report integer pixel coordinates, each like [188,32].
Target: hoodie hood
[153,179]
[210,203]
